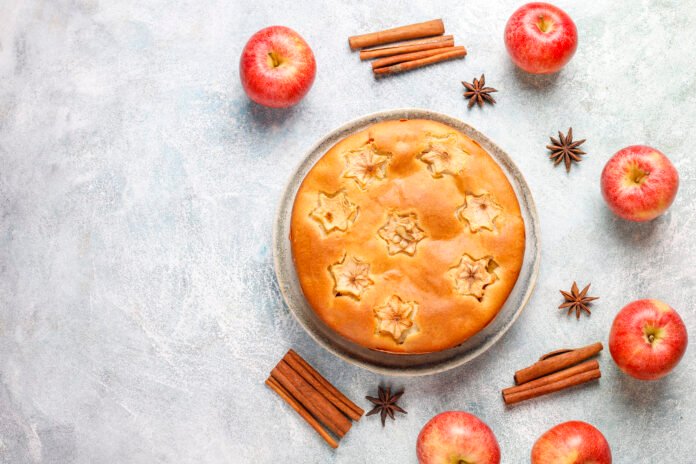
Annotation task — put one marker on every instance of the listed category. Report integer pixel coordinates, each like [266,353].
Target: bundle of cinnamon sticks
[410,47]
[553,372]
[313,397]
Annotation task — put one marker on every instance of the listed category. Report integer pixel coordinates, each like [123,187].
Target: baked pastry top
[407,237]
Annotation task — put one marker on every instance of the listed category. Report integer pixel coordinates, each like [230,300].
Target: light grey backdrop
[139,313]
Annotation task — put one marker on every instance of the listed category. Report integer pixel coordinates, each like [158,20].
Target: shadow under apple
[634,234]
[638,395]
[534,82]
[270,118]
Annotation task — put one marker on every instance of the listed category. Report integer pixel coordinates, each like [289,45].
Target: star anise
[385,405]
[477,92]
[564,149]
[577,300]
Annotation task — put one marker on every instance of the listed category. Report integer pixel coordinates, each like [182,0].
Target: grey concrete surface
[139,312]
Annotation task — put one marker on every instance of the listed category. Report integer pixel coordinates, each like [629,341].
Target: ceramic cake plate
[392,363]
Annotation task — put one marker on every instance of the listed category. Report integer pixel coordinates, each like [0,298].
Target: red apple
[277,67]
[457,437]
[573,442]
[647,339]
[639,183]
[540,38]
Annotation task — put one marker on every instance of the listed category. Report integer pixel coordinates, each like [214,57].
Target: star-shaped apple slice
[402,234]
[365,165]
[351,277]
[471,276]
[334,212]
[444,156]
[395,318]
[479,212]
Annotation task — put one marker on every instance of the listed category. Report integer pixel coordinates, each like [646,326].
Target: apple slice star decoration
[564,149]
[444,156]
[577,300]
[351,277]
[395,318]
[472,276]
[479,211]
[385,404]
[478,93]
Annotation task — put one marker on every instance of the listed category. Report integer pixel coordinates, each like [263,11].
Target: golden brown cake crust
[407,237]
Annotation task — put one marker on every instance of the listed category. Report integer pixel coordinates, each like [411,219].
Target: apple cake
[407,237]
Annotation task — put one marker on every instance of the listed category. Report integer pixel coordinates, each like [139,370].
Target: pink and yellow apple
[540,38]
[573,442]
[455,437]
[639,183]
[277,67]
[647,339]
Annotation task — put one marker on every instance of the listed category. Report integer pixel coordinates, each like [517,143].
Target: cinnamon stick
[411,56]
[448,41]
[562,384]
[404,43]
[560,375]
[550,364]
[408,65]
[412,31]
[340,396]
[294,361]
[311,399]
[294,404]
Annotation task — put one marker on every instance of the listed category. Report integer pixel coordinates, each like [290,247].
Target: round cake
[407,237]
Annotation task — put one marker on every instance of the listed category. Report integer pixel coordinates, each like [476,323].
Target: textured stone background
[139,313]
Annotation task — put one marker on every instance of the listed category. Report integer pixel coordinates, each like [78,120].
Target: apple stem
[639,178]
[274,59]
[543,24]
[651,338]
